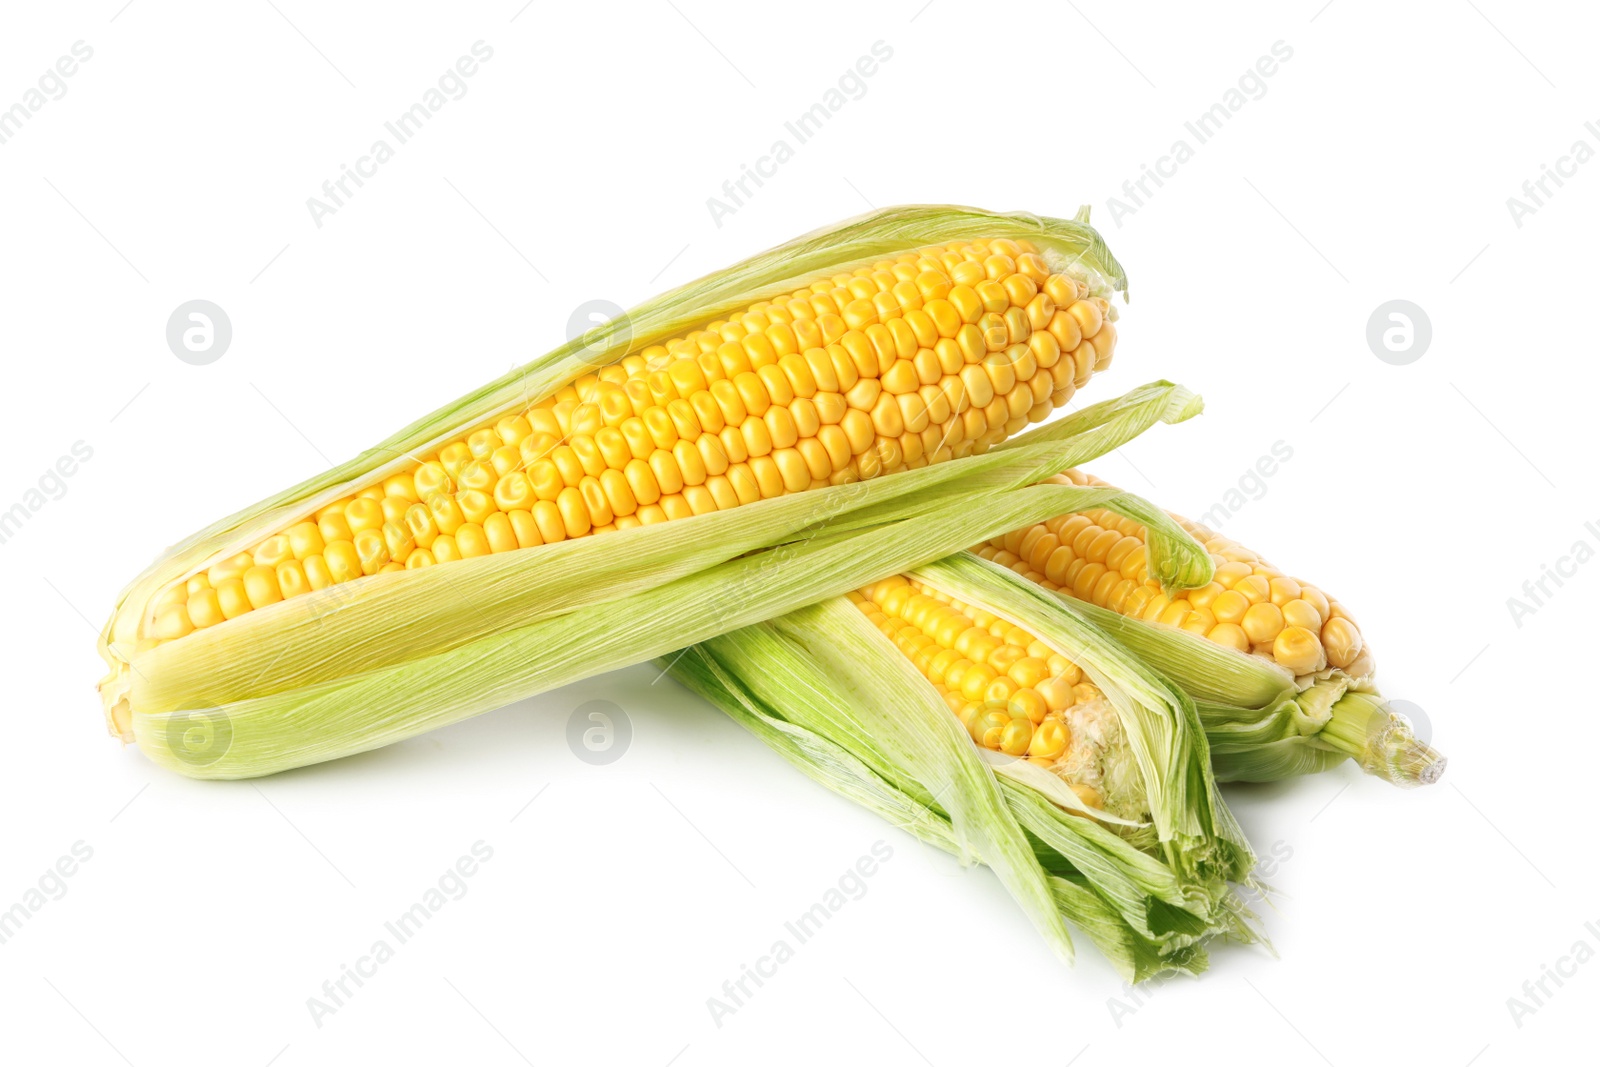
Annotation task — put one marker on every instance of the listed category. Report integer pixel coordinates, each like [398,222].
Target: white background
[1377,165]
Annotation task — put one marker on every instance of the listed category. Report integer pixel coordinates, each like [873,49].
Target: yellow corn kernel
[261,586]
[1262,623]
[292,580]
[371,550]
[273,551]
[305,539]
[471,541]
[1249,606]
[172,622]
[363,514]
[447,516]
[204,609]
[1050,739]
[1297,649]
[1016,737]
[1341,640]
[475,505]
[317,574]
[333,527]
[1003,684]
[344,563]
[232,598]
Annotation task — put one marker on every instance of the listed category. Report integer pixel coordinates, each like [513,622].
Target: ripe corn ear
[839,690]
[936,353]
[1011,691]
[1249,605]
[478,520]
[1282,673]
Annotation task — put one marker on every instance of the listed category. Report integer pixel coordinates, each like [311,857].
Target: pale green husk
[831,694]
[329,693]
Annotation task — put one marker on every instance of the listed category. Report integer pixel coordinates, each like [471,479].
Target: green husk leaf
[1132,879]
[1135,956]
[815,656]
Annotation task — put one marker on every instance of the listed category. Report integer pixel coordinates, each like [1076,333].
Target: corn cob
[935,354]
[1137,853]
[1250,605]
[809,368]
[1009,690]
[1295,640]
